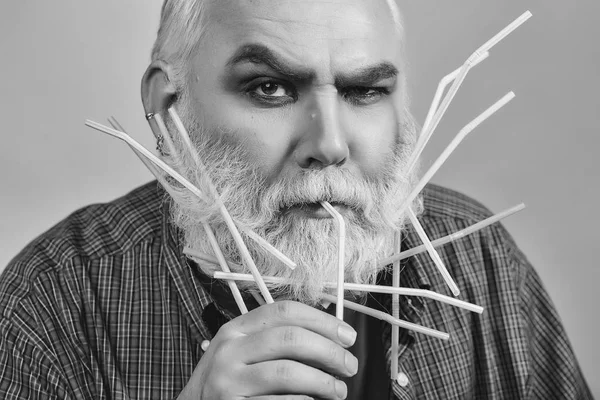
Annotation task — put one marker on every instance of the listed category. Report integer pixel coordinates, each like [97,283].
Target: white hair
[183,23]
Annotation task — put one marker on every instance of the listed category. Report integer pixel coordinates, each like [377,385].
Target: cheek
[266,139]
[264,135]
[372,138]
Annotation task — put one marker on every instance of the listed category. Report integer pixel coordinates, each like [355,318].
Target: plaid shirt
[104,305]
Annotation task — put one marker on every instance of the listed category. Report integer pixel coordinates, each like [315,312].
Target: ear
[158,90]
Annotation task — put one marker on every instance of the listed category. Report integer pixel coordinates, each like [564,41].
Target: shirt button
[402,379]
[204,345]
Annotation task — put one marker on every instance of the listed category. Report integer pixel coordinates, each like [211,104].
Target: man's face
[303,84]
[289,103]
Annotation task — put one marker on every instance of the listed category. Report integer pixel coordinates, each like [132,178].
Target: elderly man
[289,103]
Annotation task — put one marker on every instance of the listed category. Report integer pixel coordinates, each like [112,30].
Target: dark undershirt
[370,382]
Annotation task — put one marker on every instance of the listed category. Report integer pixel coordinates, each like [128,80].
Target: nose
[323,141]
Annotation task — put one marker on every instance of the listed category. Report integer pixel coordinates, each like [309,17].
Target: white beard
[311,243]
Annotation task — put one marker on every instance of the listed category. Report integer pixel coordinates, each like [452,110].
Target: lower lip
[316,211]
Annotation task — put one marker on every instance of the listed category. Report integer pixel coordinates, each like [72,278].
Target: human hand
[284,350]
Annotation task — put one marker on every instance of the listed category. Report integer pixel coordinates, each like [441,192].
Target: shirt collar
[200,286]
[412,275]
[193,296]
[415,265]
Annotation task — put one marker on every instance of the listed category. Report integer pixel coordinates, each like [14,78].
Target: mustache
[310,187]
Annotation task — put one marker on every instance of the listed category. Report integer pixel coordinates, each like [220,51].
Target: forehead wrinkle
[317,42]
[299,15]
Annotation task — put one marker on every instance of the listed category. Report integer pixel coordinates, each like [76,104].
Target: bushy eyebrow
[257,53]
[367,76]
[260,54]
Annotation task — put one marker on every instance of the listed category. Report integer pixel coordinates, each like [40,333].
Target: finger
[285,313]
[292,377]
[299,344]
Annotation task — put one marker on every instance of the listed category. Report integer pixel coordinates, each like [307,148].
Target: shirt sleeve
[39,353]
[25,371]
[554,370]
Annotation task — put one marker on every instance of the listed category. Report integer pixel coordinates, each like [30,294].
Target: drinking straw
[269,247]
[357,287]
[433,253]
[223,263]
[388,318]
[395,307]
[341,226]
[188,251]
[259,299]
[147,154]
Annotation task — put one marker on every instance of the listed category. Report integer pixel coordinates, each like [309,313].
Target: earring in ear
[160,141]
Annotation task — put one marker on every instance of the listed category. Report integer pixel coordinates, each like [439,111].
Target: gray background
[65,61]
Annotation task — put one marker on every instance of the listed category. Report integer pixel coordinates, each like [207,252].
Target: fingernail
[341,390]
[351,363]
[347,335]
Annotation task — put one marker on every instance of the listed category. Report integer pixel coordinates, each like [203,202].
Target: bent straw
[341,225]
[116,125]
[471,61]
[146,153]
[232,286]
[245,254]
[433,253]
[395,307]
[505,32]
[453,236]
[388,318]
[444,82]
[175,175]
[453,145]
[269,247]
[357,287]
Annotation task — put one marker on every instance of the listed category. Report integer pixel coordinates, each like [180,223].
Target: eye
[269,92]
[272,89]
[363,96]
